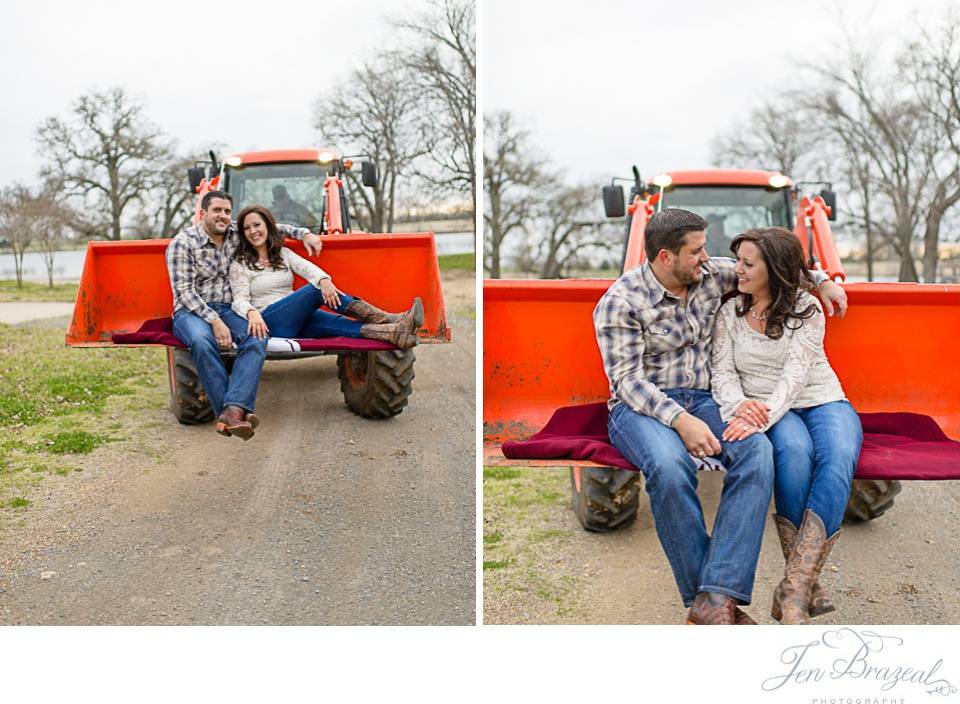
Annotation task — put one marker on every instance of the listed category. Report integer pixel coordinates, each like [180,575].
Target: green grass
[467,261]
[526,530]
[500,472]
[492,538]
[19,502]
[59,403]
[72,442]
[63,293]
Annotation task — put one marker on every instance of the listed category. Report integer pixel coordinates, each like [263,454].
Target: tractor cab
[731,200]
[730,209]
[303,187]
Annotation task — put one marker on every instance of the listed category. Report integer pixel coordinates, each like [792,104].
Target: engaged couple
[746,381]
[232,285]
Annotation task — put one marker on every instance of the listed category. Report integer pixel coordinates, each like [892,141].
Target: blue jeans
[815,451]
[726,562]
[238,388]
[298,315]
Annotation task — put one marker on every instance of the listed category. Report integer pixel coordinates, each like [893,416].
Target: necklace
[760,316]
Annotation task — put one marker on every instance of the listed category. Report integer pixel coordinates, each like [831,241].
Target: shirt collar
[205,239]
[657,291]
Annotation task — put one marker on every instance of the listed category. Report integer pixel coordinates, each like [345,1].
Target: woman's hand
[331,296]
[255,324]
[738,429]
[753,412]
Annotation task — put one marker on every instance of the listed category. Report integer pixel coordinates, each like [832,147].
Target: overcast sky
[238,72]
[605,84]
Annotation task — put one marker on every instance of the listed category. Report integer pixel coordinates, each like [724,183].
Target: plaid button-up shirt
[198,268]
[650,339]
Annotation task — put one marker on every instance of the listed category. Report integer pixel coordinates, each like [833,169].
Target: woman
[770,373]
[261,279]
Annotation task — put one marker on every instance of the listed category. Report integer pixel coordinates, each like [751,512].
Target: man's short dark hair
[205,202]
[667,229]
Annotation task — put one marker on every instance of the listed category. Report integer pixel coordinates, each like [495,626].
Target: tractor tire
[607,500]
[188,400]
[376,384]
[870,498]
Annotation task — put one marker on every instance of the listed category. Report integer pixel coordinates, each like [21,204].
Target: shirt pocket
[208,267]
[658,339]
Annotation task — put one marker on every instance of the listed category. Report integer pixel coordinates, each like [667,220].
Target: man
[654,329]
[286,208]
[198,261]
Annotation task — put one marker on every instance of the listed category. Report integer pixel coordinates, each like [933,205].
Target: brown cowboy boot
[711,609]
[394,333]
[411,318]
[742,618]
[232,421]
[791,600]
[820,602]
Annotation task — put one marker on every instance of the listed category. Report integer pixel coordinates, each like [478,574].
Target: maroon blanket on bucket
[160,331]
[895,445]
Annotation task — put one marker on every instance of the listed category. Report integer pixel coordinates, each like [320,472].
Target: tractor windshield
[292,192]
[731,210]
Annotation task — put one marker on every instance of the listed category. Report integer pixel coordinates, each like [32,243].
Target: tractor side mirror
[368,174]
[194,176]
[613,205]
[830,198]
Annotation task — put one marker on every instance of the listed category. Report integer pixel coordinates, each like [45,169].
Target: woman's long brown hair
[783,255]
[247,253]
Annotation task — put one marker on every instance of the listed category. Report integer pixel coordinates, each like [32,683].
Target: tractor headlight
[778,181]
[234,161]
[325,156]
[662,180]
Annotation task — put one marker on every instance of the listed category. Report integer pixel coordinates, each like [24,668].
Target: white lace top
[792,372]
[258,289]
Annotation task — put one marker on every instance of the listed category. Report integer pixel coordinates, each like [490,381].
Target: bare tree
[168,206]
[567,233]
[933,62]
[443,65]
[513,175]
[50,217]
[104,155]
[776,137]
[371,112]
[873,118]
[18,211]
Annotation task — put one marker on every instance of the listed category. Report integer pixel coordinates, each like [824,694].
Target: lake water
[68,265]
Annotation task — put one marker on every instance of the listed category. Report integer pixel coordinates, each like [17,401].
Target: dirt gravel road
[541,567]
[321,518]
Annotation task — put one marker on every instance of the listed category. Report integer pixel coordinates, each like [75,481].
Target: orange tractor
[891,351]
[125,288]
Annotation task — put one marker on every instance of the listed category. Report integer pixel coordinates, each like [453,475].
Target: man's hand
[256,325]
[696,436]
[331,296]
[754,412]
[312,243]
[221,333]
[833,293]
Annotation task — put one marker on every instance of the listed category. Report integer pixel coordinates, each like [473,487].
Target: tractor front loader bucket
[125,283]
[893,351]
[539,353]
